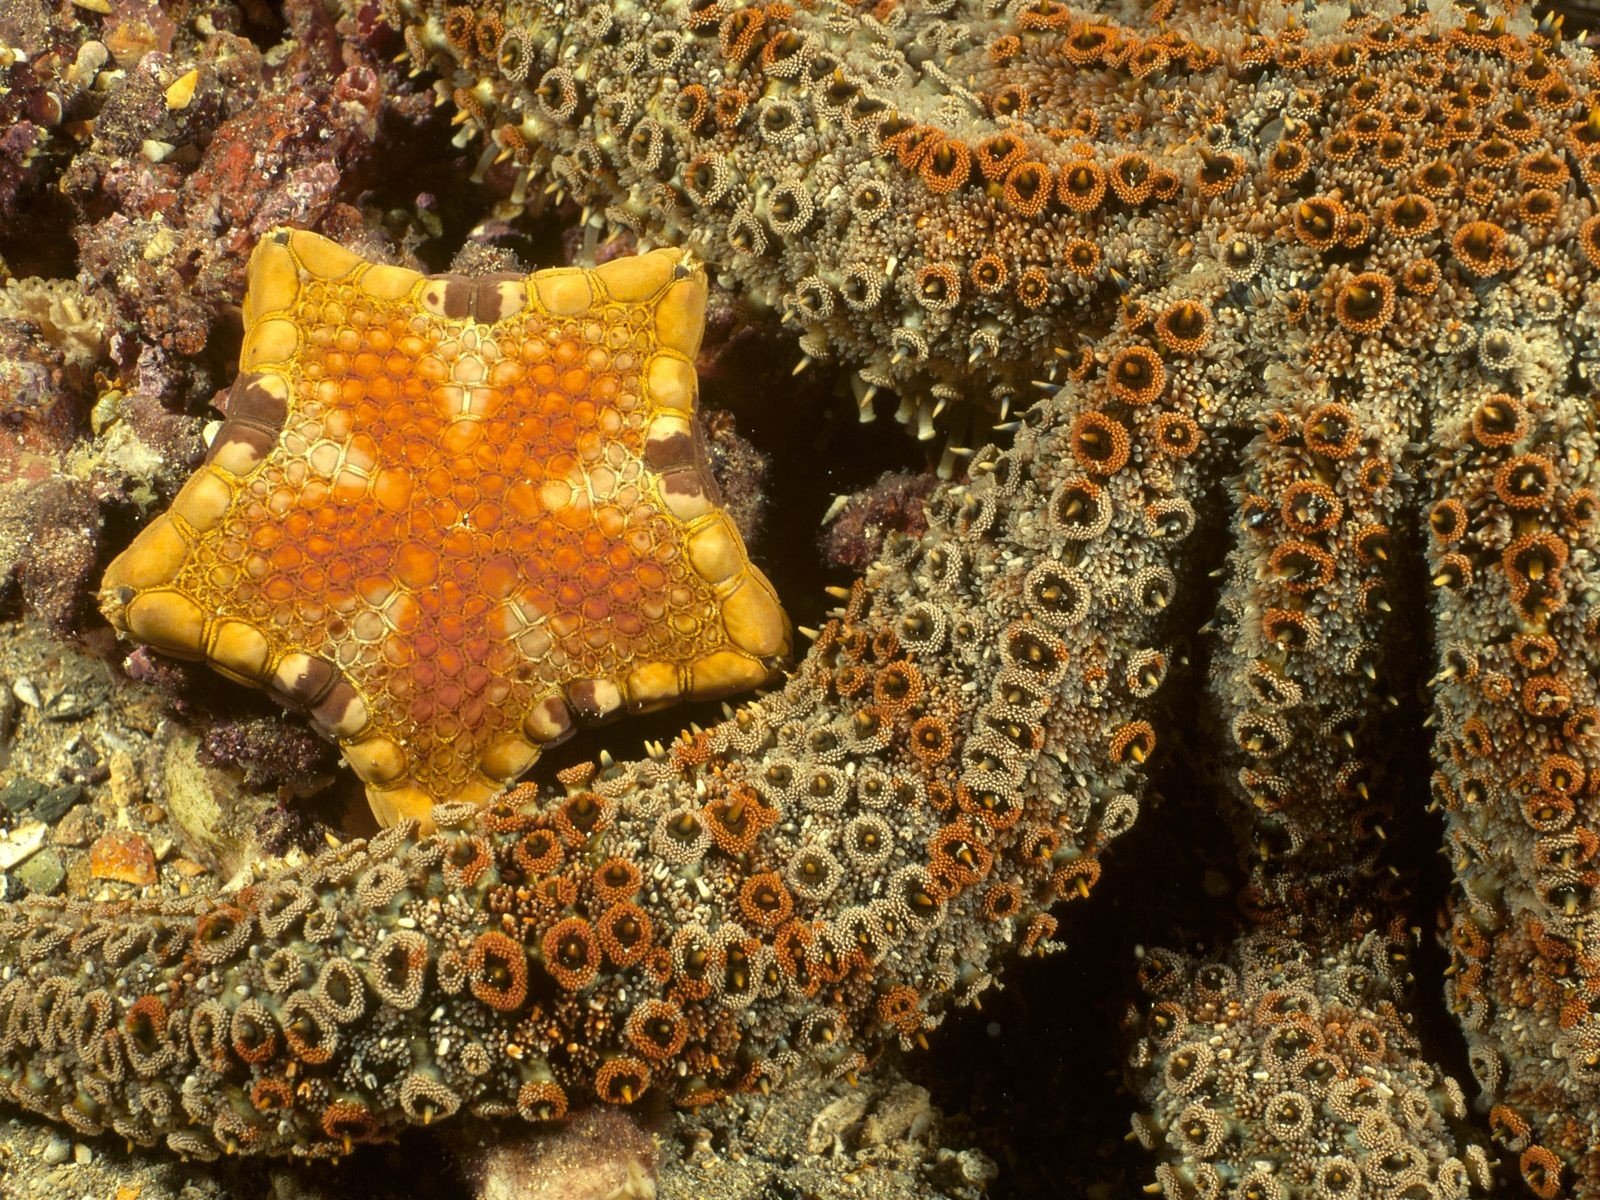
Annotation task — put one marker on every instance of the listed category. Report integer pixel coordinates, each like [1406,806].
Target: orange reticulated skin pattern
[446,515]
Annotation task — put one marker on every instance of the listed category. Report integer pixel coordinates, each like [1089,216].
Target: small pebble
[77,828]
[80,884]
[127,784]
[43,874]
[82,1155]
[69,706]
[21,843]
[20,793]
[182,91]
[24,690]
[123,856]
[91,57]
[53,805]
[56,1152]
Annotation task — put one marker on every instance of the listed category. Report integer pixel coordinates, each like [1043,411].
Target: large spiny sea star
[1334,270]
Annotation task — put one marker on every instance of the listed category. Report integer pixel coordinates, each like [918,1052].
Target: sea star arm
[1292,1068]
[816,153]
[1287,1059]
[1512,548]
[1302,678]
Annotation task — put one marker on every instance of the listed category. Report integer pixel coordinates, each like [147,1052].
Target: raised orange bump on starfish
[448,515]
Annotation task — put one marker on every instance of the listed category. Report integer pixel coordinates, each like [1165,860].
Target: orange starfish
[448,515]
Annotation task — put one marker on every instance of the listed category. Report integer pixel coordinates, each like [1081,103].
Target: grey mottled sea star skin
[1337,268]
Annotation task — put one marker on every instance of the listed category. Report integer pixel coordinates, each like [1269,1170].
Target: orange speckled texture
[448,515]
[123,856]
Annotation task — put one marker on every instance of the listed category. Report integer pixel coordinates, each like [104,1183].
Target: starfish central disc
[447,515]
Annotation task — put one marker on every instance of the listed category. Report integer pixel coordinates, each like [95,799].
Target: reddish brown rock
[122,856]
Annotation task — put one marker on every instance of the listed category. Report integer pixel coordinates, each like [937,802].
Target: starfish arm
[830,169]
[1298,1031]
[781,894]
[1388,169]
[1295,1071]
[1513,545]
[1299,675]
